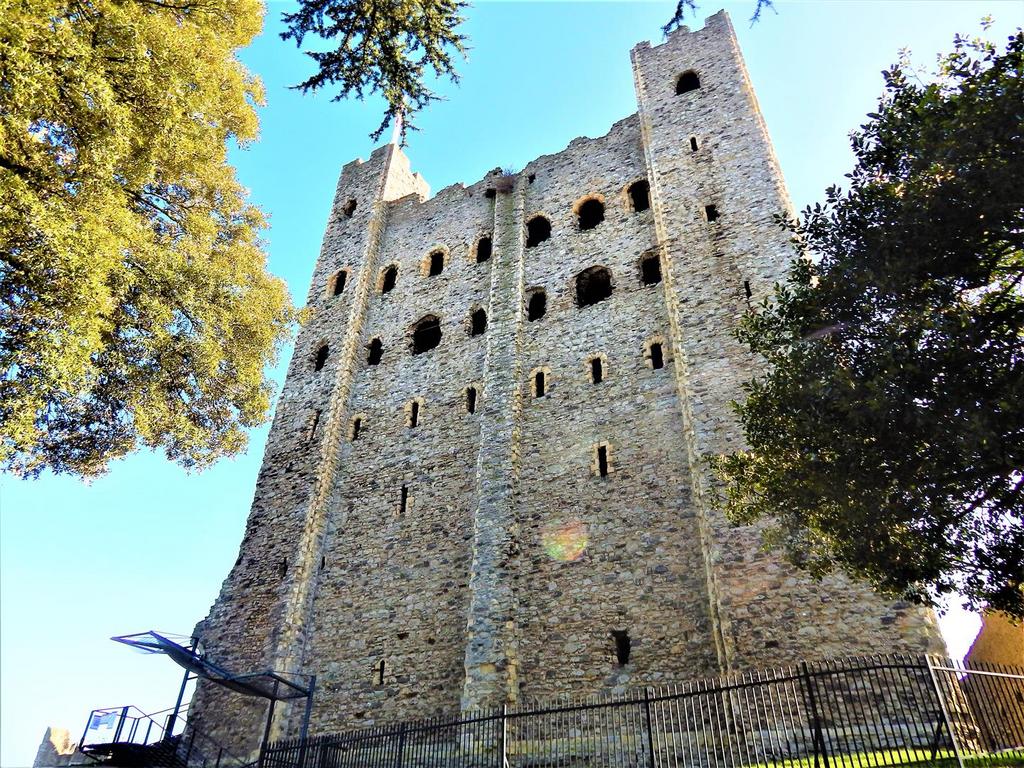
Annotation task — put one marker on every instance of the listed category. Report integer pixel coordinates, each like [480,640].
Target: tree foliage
[386,46]
[886,435]
[135,306]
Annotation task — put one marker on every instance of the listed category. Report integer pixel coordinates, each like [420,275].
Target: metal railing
[850,713]
[129,736]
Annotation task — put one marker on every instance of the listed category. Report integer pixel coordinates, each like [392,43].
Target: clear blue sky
[148,545]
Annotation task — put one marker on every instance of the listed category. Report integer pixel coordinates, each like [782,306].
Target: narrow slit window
[403,504]
[537,306]
[602,460]
[357,427]
[657,356]
[314,422]
[414,414]
[538,229]
[596,370]
[338,282]
[282,568]
[746,289]
[483,249]
[471,400]
[323,562]
[436,266]
[640,195]
[693,144]
[376,352]
[478,322]
[711,212]
[622,646]
[388,279]
[539,382]
[590,214]
[380,672]
[321,357]
[650,269]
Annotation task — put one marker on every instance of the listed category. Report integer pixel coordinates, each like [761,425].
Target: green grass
[944,758]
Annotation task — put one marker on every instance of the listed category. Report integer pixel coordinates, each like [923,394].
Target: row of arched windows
[592,285]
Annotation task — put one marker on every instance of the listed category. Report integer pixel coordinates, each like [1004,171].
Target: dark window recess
[478,322]
[593,285]
[602,460]
[314,422]
[414,414]
[538,229]
[338,283]
[404,501]
[282,568]
[380,672]
[591,213]
[688,81]
[426,334]
[387,284]
[376,352]
[323,562]
[622,646]
[640,195]
[538,384]
[349,208]
[531,178]
[436,263]
[537,306]
[490,194]
[596,370]
[657,360]
[321,357]
[650,269]
[746,289]
[693,143]
[471,400]
[357,427]
[483,250]
[711,212]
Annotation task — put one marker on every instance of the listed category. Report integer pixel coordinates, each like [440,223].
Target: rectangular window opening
[746,289]
[538,384]
[404,503]
[657,359]
[596,370]
[693,143]
[357,426]
[414,414]
[622,646]
[711,212]
[602,460]
[471,400]
[282,568]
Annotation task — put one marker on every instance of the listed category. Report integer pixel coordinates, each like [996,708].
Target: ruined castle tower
[484,479]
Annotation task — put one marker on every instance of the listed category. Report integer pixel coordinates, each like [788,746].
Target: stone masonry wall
[513,569]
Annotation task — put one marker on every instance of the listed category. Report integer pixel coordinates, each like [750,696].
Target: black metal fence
[850,713]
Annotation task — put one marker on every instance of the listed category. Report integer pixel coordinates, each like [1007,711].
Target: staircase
[127,737]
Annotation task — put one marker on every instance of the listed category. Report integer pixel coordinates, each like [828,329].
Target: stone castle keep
[485,479]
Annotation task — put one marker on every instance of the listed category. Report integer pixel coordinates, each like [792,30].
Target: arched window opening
[596,370]
[650,269]
[538,229]
[380,664]
[537,305]
[349,208]
[376,352]
[593,284]
[471,400]
[426,334]
[688,81]
[483,249]
[657,356]
[590,213]
[337,284]
[539,384]
[622,646]
[388,279]
[640,195]
[356,428]
[478,322]
[436,265]
[321,357]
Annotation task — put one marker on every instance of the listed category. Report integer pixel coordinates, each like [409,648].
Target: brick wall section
[481,591]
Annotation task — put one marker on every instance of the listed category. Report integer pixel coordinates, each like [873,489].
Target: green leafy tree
[886,434]
[135,305]
[385,46]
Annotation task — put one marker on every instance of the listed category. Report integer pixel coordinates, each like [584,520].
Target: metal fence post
[503,736]
[401,745]
[944,711]
[650,728]
[817,738]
